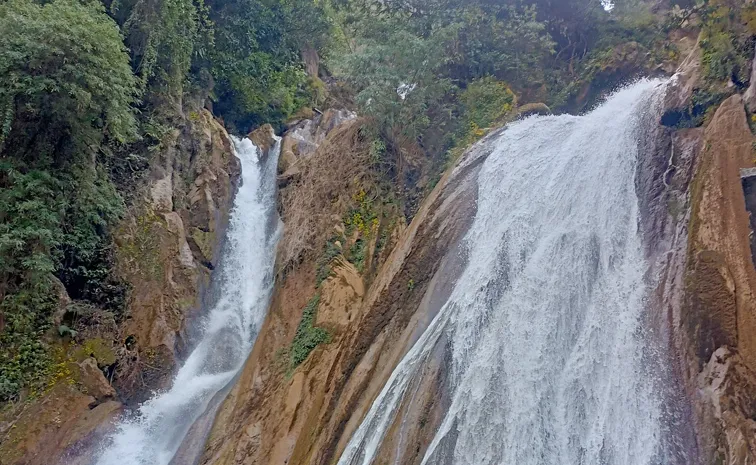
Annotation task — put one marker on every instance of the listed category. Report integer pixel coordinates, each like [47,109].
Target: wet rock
[263,137]
[530,109]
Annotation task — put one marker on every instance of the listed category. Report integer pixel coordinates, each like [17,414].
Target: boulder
[94,381]
[530,109]
[263,137]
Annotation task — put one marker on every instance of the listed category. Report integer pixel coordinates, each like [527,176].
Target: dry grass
[313,203]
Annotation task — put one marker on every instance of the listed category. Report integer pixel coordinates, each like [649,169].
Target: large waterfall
[543,335]
[154,434]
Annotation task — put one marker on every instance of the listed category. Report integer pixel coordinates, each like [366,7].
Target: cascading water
[544,331]
[154,434]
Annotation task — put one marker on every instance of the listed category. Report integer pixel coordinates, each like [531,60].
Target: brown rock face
[719,311]
[308,416]
[54,429]
[167,247]
[722,278]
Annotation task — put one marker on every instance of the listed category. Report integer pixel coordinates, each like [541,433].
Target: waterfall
[543,335]
[153,435]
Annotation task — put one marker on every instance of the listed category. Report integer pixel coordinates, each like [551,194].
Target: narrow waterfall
[543,335]
[155,433]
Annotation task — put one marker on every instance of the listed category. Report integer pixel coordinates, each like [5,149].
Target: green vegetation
[92,92]
[67,88]
[66,74]
[484,103]
[323,263]
[307,337]
[357,254]
[424,71]
[727,31]
[725,41]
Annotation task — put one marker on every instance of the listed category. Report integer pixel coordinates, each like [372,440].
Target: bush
[486,101]
[66,75]
[323,263]
[307,337]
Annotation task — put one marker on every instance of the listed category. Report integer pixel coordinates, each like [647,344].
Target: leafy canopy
[64,69]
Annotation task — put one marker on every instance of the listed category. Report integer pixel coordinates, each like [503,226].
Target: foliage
[363,217]
[29,232]
[70,90]
[323,263]
[307,336]
[508,43]
[725,42]
[357,254]
[255,61]
[485,101]
[65,73]
[398,75]
[30,227]
[163,36]
[408,60]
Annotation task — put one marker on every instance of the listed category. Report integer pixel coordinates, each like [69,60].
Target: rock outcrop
[719,312]
[166,247]
[696,231]
[59,425]
[305,416]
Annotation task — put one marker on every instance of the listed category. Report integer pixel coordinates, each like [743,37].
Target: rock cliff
[166,246]
[306,415]
[696,229]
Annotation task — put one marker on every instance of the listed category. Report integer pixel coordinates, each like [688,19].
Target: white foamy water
[544,332]
[153,435]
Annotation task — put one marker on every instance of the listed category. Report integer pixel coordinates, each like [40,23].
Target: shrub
[485,101]
[308,336]
[66,74]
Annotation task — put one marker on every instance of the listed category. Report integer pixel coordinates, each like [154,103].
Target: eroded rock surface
[169,244]
[306,416]
[696,230]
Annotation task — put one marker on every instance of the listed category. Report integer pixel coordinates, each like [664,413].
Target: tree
[398,75]
[65,78]
[507,42]
[256,63]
